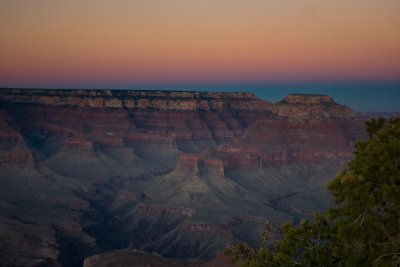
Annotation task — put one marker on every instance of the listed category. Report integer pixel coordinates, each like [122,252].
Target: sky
[271,47]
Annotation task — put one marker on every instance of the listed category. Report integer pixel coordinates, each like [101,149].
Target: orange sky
[146,41]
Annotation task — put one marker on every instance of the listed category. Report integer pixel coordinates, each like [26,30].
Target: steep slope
[177,173]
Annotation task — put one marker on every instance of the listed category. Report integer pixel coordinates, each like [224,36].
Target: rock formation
[177,173]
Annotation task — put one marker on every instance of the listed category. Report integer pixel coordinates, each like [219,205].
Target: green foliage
[363,229]
[245,255]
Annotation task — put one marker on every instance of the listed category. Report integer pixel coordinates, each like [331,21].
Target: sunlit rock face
[177,173]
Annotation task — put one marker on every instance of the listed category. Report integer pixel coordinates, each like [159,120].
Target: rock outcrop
[314,107]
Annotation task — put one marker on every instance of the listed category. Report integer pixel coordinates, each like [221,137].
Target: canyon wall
[177,173]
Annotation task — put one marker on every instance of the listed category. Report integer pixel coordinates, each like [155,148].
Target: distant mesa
[179,100]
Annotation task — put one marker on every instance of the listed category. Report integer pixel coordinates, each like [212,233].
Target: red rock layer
[135,99]
[251,133]
[12,146]
[283,142]
[118,118]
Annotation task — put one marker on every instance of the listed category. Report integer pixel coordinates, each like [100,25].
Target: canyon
[181,174]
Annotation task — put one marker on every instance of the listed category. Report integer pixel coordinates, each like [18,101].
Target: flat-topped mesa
[160,94]
[131,99]
[309,106]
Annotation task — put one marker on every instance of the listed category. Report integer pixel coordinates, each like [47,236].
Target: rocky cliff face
[311,107]
[191,120]
[165,100]
[177,173]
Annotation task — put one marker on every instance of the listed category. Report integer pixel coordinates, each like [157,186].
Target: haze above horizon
[348,49]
